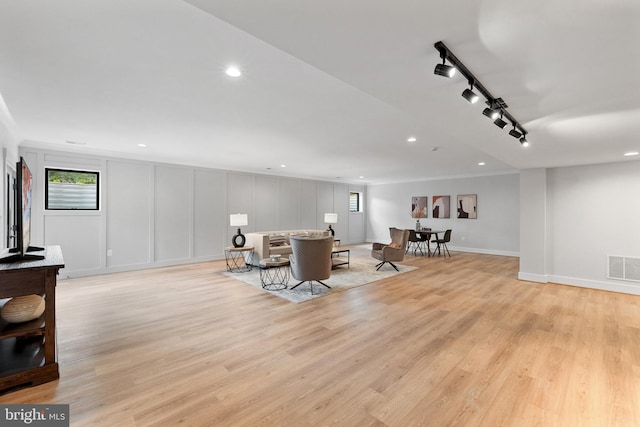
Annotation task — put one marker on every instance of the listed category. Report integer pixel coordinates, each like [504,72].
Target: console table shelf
[28,350]
[13,330]
[21,355]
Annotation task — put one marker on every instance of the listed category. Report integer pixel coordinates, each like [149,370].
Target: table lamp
[238,220]
[331,218]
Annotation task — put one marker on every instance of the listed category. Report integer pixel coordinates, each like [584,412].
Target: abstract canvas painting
[440,207]
[419,207]
[467,206]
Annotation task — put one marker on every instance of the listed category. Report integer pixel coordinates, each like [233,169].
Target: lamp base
[238,240]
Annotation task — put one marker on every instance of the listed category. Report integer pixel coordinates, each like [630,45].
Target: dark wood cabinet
[28,350]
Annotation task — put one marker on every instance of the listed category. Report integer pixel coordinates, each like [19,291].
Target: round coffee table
[274,275]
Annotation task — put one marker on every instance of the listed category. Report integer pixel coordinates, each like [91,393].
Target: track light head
[514,133]
[524,141]
[444,70]
[492,114]
[499,122]
[470,96]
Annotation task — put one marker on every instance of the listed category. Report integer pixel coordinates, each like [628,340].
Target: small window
[354,202]
[71,190]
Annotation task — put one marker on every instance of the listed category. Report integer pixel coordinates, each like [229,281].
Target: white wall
[495,231]
[533,225]
[593,212]
[157,214]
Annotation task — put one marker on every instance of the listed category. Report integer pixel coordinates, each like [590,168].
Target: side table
[335,261]
[274,275]
[236,258]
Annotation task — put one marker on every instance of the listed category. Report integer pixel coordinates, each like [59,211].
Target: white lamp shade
[238,220]
[331,218]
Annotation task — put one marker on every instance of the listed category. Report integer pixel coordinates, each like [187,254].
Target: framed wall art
[441,207]
[419,207]
[467,206]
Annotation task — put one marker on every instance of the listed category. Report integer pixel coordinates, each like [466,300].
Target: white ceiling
[331,88]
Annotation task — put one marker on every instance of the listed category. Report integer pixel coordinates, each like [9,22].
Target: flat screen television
[22,250]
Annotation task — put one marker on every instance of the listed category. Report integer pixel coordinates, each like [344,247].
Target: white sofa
[267,243]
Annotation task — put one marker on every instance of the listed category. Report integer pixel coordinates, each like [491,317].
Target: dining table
[425,235]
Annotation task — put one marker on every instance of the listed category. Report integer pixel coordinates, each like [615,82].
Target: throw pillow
[276,240]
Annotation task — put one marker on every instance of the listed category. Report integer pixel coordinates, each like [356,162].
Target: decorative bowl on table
[274,258]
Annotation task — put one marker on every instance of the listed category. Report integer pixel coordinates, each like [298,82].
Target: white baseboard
[464,249]
[483,251]
[70,274]
[633,289]
[540,278]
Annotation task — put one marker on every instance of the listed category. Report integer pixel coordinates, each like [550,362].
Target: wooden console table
[28,350]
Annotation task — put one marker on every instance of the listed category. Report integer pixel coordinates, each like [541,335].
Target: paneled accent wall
[173,213]
[154,214]
[209,213]
[128,213]
[308,196]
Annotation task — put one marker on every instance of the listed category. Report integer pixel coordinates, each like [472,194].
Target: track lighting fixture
[497,108]
[469,95]
[444,70]
[499,122]
[492,114]
[514,133]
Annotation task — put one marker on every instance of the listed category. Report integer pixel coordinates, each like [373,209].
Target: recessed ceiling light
[233,71]
[481,163]
[361,177]
[631,153]
[142,145]
[283,166]
[412,139]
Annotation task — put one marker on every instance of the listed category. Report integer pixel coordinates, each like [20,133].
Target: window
[354,202]
[71,190]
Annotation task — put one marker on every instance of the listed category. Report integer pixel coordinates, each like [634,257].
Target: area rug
[361,271]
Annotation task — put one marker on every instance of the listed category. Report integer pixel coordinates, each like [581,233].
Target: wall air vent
[624,268]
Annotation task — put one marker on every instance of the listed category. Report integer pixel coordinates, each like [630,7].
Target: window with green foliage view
[71,190]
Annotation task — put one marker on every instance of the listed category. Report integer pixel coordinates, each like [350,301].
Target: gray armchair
[393,251]
[310,259]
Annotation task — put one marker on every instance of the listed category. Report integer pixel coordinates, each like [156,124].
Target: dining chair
[424,237]
[414,241]
[443,242]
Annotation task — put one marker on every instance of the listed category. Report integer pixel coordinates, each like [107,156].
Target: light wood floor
[458,341]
